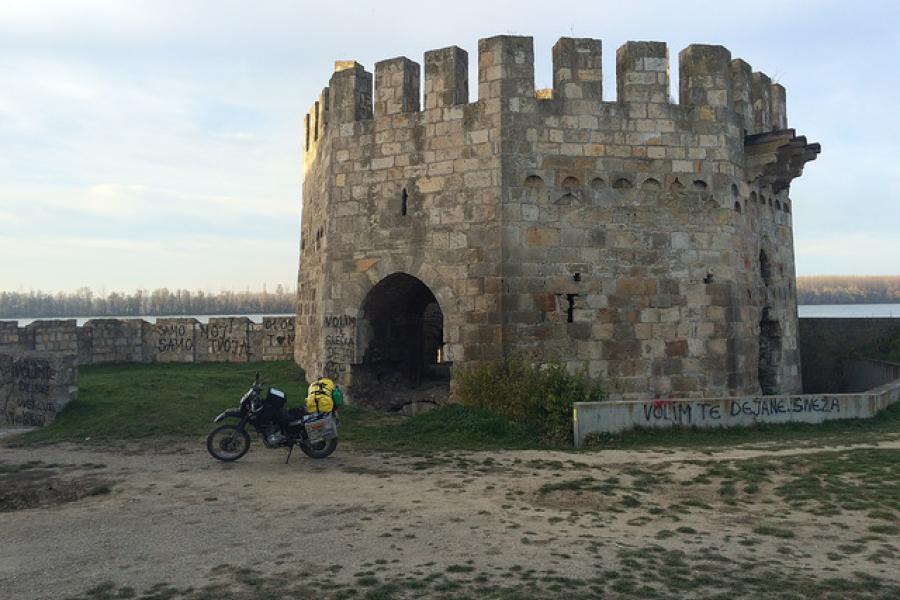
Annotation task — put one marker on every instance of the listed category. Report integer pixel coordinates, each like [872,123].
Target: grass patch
[772,531]
[133,401]
[835,481]
[452,427]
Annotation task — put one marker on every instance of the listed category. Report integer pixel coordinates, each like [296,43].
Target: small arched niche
[700,185]
[534,182]
[753,197]
[777,204]
[534,189]
[737,207]
[571,184]
[597,184]
[734,190]
[622,184]
[572,191]
[651,185]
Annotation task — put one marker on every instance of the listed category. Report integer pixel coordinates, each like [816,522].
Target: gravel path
[173,514]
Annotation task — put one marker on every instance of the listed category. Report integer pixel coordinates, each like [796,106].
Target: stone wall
[99,341]
[617,416]
[35,386]
[864,373]
[647,242]
[826,343]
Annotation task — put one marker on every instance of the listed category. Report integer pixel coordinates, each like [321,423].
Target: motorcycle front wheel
[320,450]
[228,443]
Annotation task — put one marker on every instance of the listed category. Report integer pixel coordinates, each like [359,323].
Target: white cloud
[175,126]
[848,253]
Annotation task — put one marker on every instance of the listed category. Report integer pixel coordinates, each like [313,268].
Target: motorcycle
[315,433]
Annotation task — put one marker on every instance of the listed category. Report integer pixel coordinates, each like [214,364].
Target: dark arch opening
[401,337]
[769,353]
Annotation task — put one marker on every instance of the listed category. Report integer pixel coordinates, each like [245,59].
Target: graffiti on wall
[226,340]
[174,337]
[279,332]
[696,412]
[340,344]
[29,402]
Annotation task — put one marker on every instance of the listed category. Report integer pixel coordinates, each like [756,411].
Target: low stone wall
[825,343]
[99,341]
[35,386]
[709,413]
[862,374]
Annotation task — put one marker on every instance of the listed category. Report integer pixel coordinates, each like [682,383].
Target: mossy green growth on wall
[529,394]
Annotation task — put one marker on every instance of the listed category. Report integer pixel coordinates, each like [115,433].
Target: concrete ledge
[710,413]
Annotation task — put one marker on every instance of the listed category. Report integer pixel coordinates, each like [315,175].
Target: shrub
[528,394]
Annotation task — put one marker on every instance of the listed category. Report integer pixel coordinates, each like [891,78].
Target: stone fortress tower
[645,241]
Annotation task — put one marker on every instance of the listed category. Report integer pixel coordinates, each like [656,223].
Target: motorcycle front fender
[231,412]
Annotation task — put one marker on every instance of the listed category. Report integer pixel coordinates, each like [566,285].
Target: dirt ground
[166,521]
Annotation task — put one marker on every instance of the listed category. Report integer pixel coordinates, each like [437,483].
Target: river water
[852,311]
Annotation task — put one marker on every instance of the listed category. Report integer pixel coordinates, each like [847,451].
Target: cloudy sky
[156,143]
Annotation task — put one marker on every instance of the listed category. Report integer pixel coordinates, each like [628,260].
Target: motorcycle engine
[274,437]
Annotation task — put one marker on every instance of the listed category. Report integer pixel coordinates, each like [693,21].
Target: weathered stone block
[173,340]
[36,386]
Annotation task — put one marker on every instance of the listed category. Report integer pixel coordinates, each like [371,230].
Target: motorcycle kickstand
[290,449]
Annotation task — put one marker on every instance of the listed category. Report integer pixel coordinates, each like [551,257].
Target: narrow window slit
[403,202]
[570,312]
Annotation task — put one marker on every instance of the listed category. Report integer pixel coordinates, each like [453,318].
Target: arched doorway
[401,337]
[769,354]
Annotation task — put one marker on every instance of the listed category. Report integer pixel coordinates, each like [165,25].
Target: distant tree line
[160,302]
[846,289]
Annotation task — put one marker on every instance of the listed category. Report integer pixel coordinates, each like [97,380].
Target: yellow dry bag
[318,398]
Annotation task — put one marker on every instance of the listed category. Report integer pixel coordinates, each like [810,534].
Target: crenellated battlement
[712,85]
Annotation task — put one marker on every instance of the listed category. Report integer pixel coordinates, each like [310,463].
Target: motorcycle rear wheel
[227,443]
[320,450]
